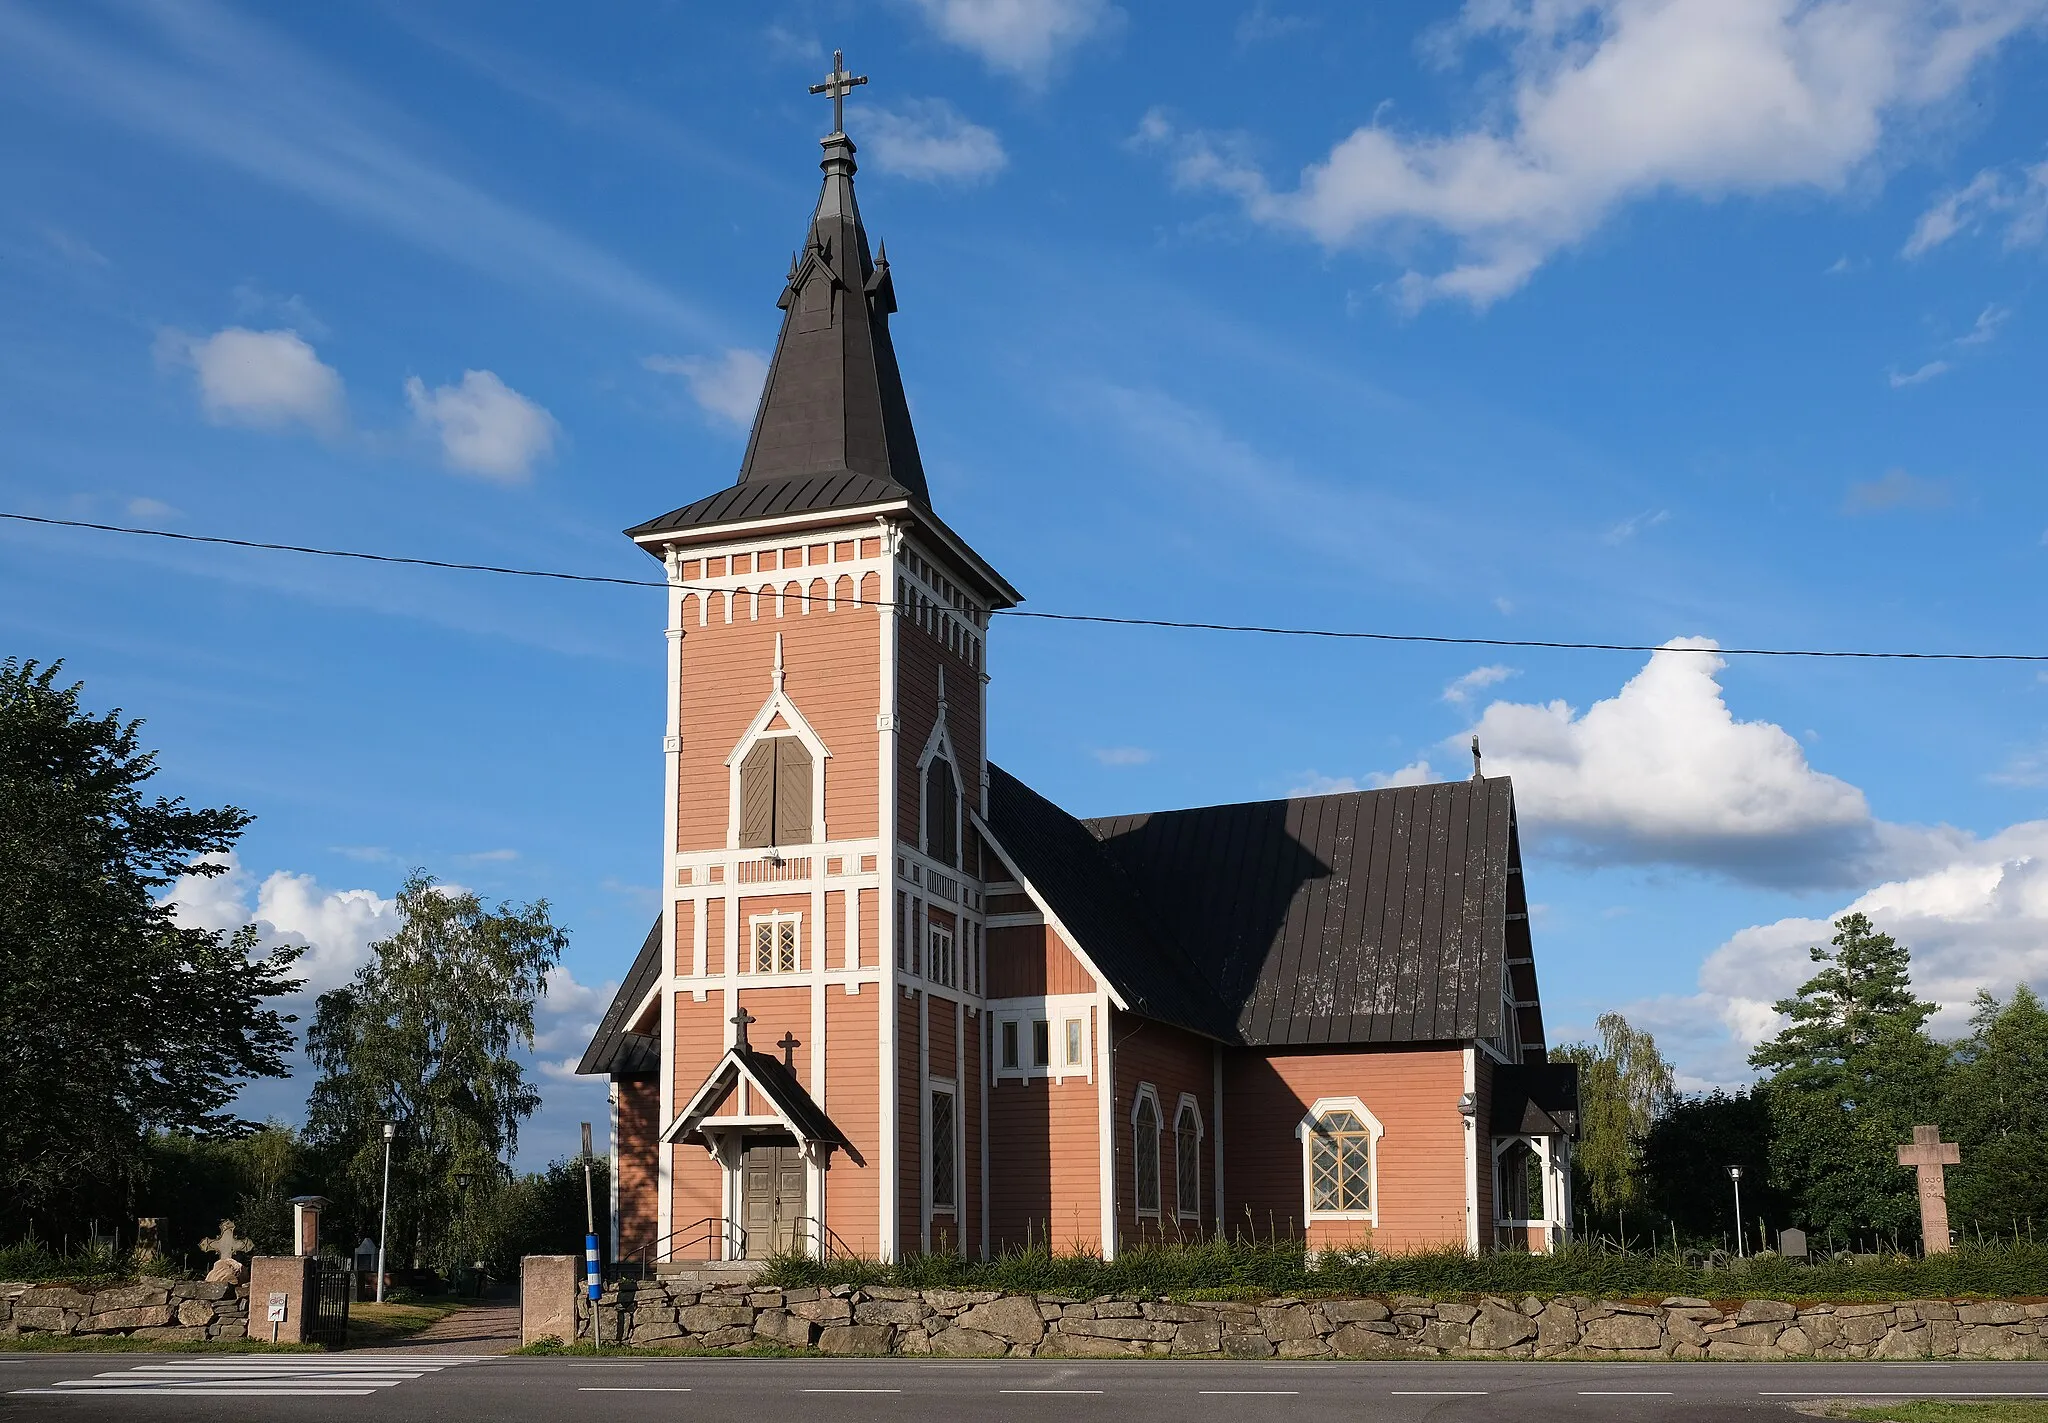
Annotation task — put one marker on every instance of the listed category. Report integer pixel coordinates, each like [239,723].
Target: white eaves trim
[1066,934]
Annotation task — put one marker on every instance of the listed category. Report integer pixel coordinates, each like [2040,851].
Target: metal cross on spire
[839,84]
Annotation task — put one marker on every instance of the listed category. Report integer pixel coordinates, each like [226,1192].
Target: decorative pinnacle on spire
[838,84]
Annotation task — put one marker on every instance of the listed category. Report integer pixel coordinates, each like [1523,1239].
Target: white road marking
[1048,1390]
[1439,1393]
[853,1390]
[1624,1393]
[1247,1392]
[625,1388]
[262,1375]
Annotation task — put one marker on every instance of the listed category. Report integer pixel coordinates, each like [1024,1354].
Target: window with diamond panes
[1187,1161]
[775,945]
[1145,1154]
[942,1151]
[1340,1163]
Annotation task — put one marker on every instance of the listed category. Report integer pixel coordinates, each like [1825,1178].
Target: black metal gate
[327,1290]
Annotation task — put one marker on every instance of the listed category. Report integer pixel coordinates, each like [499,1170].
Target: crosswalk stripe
[272,1376]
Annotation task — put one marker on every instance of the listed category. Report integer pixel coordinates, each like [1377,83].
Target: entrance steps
[709,1274]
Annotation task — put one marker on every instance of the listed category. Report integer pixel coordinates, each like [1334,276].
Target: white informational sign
[276,1315]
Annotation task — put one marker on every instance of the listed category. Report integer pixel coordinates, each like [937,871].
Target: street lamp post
[384,1210]
[1735,1175]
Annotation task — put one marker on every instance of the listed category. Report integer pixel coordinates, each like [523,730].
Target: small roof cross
[1928,1155]
[789,1043]
[838,84]
[739,1022]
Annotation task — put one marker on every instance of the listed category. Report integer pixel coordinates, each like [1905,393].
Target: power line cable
[1106,619]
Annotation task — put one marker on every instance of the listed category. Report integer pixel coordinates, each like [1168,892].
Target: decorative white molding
[1305,1131]
[778,703]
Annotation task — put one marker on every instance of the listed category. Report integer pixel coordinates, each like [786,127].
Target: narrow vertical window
[1145,1153]
[941,813]
[1041,1043]
[944,961]
[1073,1042]
[775,794]
[1010,1044]
[1187,1162]
[778,940]
[943,1193]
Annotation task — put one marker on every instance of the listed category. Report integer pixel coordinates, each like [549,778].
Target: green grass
[35,1262]
[1252,1269]
[1946,1411]
[121,1344]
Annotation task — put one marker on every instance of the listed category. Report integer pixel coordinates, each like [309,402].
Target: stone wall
[181,1310]
[845,1320]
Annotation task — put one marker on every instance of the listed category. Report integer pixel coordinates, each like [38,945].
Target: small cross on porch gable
[1928,1155]
[789,1043]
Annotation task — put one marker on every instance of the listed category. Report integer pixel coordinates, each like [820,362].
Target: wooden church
[896,1001]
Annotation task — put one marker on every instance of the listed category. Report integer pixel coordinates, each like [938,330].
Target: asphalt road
[440,1388]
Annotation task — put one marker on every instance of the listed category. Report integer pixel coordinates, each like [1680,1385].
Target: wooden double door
[774,1197]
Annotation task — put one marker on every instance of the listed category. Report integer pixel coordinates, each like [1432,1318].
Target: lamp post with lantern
[1735,1175]
[384,1209]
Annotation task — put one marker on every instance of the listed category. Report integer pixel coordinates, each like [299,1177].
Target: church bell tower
[824,775]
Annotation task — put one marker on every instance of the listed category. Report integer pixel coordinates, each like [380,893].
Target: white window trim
[1187,1103]
[1305,1131]
[934,1087]
[1147,1093]
[775,918]
[757,730]
[1053,1010]
[932,932]
[937,746]
[1553,1193]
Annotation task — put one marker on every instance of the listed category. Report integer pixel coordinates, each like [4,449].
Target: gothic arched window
[1187,1160]
[941,813]
[1145,1151]
[775,794]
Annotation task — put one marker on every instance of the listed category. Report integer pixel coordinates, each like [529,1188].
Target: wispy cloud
[208,83]
[1985,329]
[1626,529]
[1025,38]
[1122,755]
[1477,680]
[1896,489]
[2015,201]
[1932,370]
[931,141]
[726,386]
[1262,23]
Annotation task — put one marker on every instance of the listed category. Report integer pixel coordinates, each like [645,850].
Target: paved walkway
[491,1328]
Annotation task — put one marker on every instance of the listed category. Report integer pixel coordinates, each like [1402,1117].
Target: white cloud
[727,386]
[1662,772]
[1985,328]
[1895,489]
[485,426]
[264,379]
[144,507]
[1415,773]
[931,141]
[1025,38]
[2017,201]
[1634,524]
[1121,755]
[1900,380]
[1477,680]
[1603,102]
[335,927]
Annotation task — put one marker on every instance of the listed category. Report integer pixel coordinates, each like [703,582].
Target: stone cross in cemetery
[1929,1154]
[227,1270]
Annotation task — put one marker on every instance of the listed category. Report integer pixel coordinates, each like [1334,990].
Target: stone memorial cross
[227,1270]
[1928,1155]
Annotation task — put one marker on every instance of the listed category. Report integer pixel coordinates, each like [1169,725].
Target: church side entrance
[772,1198]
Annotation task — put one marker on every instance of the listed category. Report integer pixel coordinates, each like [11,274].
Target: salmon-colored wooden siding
[970,1071]
[870,927]
[835,928]
[1030,961]
[686,935]
[909,1125]
[1482,1098]
[639,1191]
[696,1183]
[852,1098]
[714,937]
[1421,1166]
[1173,1061]
[919,656]
[1044,1162]
[829,660]
[942,1022]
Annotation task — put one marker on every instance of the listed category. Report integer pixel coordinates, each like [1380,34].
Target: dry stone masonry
[981,1324]
[186,1311]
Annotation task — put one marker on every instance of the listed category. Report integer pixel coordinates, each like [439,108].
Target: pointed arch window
[1187,1159]
[1145,1151]
[941,812]
[775,793]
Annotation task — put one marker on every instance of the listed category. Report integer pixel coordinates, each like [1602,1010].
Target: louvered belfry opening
[775,794]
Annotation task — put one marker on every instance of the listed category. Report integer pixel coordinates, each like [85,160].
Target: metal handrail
[711,1230]
[830,1246]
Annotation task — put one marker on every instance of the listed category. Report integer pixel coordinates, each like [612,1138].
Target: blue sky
[1614,320]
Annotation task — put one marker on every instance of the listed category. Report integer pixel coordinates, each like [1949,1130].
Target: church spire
[833,402]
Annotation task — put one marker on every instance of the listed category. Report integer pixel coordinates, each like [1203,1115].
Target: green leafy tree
[114,1019]
[423,1037]
[1996,1107]
[1850,1076]
[1624,1082]
[1686,1154]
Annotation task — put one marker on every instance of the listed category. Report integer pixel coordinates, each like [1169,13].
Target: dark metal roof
[833,428]
[1373,916]
[613,1050]
[1091,897]
[1536,1099]
[777,1082]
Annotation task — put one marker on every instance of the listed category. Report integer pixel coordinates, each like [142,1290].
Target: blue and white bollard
[590,1264]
